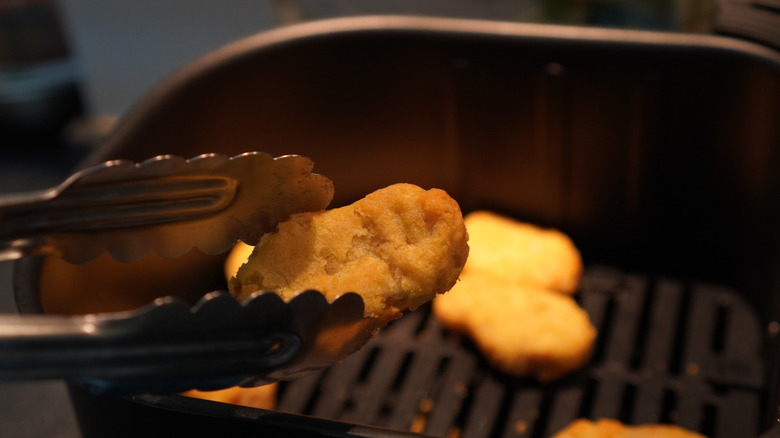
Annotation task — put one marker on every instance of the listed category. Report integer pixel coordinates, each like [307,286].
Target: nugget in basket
[515,301]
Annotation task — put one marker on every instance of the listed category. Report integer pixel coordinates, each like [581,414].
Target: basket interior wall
[630,147]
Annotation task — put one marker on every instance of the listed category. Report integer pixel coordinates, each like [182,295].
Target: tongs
[170,205]
[165,204]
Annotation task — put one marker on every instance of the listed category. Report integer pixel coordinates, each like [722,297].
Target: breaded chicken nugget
[513,298]
[261,397]
[398,247]
[522,253]
[605,428]
[521,330]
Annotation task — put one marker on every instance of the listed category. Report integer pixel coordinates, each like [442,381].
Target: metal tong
[170,205]
[165,204]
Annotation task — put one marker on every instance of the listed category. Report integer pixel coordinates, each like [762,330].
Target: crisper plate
[667,352]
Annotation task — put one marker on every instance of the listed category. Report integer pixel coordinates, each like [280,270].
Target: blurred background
[70,69]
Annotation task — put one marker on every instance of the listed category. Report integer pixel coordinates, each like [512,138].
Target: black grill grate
[667,352]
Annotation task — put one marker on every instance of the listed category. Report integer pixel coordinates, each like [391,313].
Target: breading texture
[521,330]
[398,247]
[606,428]
[522,253]
[514,298]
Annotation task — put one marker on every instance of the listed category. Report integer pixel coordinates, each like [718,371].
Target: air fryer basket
[657,153]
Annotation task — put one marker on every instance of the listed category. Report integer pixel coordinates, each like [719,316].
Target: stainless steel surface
[165,204]
[167,347]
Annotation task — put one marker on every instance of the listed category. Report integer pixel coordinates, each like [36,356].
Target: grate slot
[486,406]
[338,382]
[466,405]
[643,333]
[386,366]
[542,412]
[736,362]
[502,417]
[524,413]
[690,402]
[454,390]
[422,371]
[738,414]
[300,395]
[403,371]
[710,416]
[629,299]
[669,412]
[665,315]
[742,321]
[721,328]
[588,395]
[627,403]
[680,334]
[606,403]
[566,401]
[601,308]
[649,406]
[698,337]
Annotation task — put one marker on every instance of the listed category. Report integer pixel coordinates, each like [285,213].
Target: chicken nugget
[521,330]
[260,397]
[522,253]
[398,248]
[237,257]
[606,428]
[513,298]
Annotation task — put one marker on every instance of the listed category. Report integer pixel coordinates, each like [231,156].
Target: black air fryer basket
[659,154]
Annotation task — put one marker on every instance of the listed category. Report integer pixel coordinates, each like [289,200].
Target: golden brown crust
[513,299]
[398,247]
[522,253]
[606,428]
[520,330]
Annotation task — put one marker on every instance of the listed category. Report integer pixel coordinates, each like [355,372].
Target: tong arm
[163,347]
[165,204]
